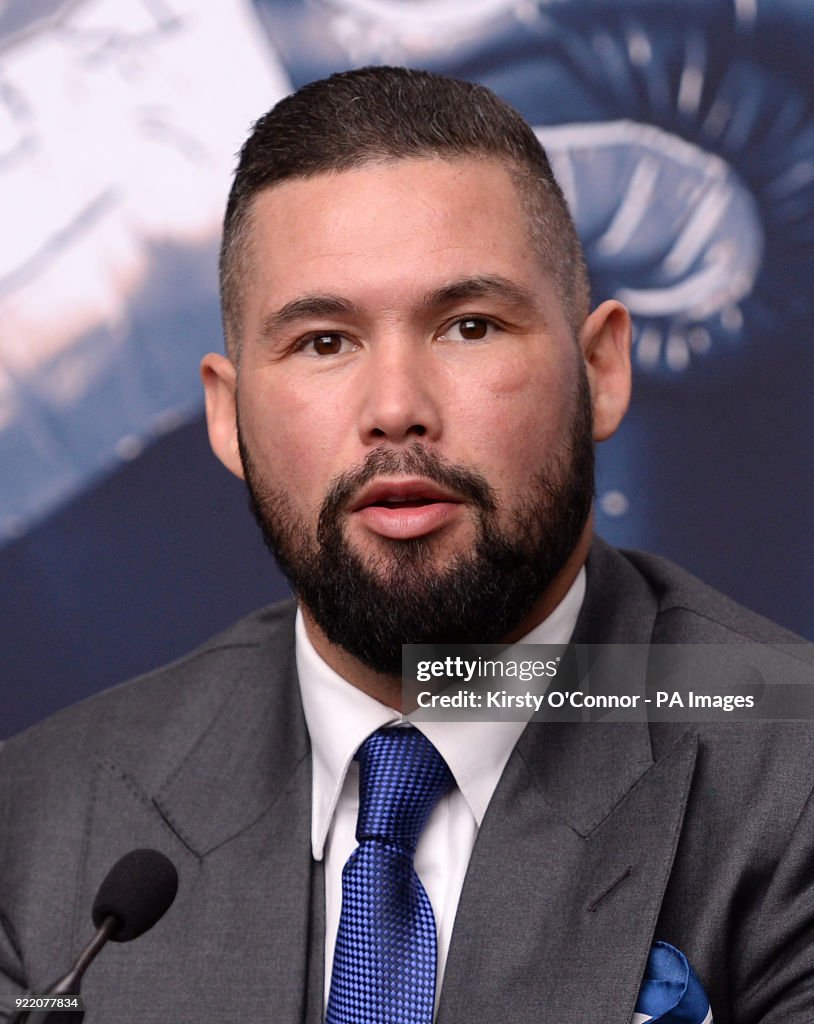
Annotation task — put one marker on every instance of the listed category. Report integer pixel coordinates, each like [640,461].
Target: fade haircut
[382,114]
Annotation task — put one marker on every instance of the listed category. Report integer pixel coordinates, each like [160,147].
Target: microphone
[136,893]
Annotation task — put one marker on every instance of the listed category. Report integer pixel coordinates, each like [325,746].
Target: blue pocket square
[670,992]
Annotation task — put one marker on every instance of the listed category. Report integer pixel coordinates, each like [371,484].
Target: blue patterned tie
[385,958]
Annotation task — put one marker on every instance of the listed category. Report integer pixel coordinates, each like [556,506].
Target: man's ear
[605,343]
[219,380]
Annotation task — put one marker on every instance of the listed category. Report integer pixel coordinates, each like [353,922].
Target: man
[413,384]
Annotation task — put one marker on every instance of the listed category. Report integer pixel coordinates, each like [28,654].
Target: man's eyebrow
[318,305]
[304,308]
[480,286]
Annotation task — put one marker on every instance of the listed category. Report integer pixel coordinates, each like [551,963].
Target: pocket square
[670,992]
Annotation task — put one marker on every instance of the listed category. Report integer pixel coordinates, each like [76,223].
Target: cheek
[520,414]
[290,441]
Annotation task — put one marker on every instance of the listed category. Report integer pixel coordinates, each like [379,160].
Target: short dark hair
[390,113]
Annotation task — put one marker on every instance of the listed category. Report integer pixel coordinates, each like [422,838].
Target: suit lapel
[234,815]
[246,758]
[565,883]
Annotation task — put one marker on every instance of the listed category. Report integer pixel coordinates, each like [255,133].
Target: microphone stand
[69,984]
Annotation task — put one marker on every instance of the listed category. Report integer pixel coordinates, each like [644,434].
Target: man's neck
[388,689]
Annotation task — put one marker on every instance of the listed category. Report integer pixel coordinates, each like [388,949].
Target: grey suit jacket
[600,839]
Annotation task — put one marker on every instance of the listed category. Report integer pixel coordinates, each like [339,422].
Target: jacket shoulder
[161,709]
[691,611]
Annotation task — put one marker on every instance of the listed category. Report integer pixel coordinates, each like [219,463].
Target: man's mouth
[404,509]
[403,502]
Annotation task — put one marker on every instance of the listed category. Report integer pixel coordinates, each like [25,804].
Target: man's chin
[434,551]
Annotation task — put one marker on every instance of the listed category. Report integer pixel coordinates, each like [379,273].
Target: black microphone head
[138,890]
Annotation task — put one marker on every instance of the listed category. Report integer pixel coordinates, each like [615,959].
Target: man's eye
[469,328]
[328,344]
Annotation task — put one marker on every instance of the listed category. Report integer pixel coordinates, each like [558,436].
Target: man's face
[414,415]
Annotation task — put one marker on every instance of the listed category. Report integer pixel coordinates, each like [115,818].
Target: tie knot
[401,778]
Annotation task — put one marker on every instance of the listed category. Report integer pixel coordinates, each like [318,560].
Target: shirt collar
[340,718]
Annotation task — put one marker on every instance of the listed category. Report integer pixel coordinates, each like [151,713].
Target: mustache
[416,460]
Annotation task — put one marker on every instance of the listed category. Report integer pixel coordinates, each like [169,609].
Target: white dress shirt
[340,718]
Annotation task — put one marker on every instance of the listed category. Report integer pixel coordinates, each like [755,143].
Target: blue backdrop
[683,134]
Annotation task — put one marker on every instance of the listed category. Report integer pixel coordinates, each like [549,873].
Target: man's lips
[404,509]
[413,491]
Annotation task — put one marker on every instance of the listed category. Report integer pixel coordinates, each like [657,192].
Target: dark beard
[371,606]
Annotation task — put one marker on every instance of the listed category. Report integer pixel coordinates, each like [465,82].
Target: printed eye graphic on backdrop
[697,206]
[683,272]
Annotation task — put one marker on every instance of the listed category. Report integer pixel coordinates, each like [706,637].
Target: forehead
[389,229]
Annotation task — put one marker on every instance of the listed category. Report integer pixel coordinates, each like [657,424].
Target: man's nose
[401,396]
